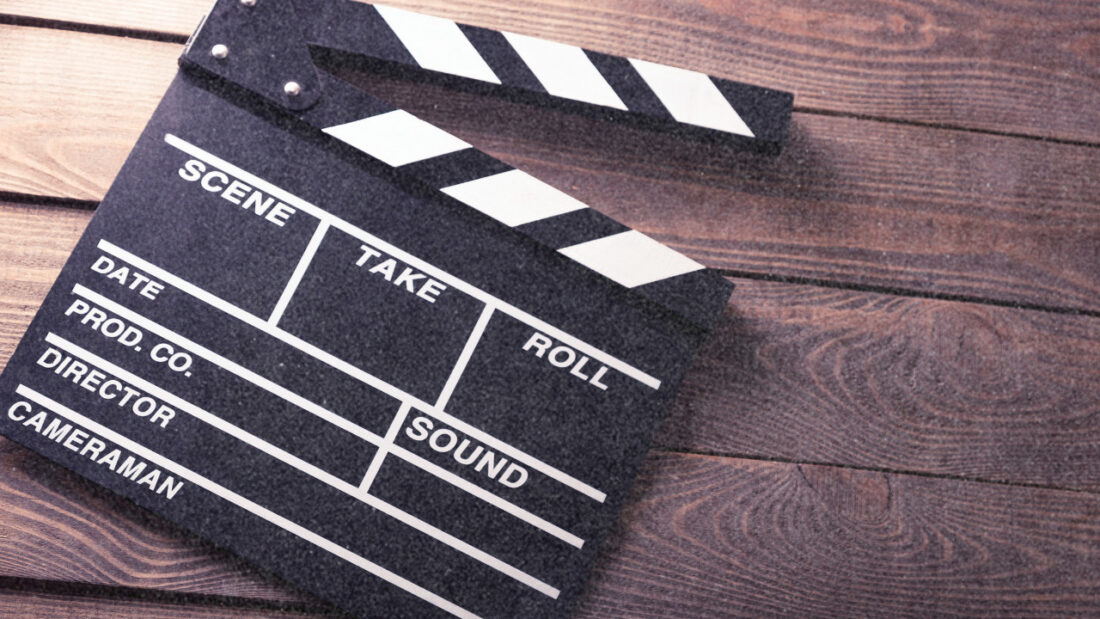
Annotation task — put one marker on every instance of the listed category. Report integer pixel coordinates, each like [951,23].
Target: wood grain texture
[858,202]
[74,102]
[812,374]
[57,526]
[35,241]
[701,536]
[1008,65]
[870,380]
[720,537]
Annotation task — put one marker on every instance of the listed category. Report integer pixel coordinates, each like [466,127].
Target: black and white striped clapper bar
[348,346]
[551,74]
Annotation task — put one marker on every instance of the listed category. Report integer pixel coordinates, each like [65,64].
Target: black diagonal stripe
[501,58]
[571,228]
[767,112]
[454,168]
[631,88]
[698,296]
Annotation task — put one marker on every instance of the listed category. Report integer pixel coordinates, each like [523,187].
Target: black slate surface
[241,375]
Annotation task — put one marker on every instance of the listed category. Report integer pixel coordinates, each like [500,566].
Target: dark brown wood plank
[870,380]
[1008,65]
[862,203]
[720,537]
[700,536]
[807,373]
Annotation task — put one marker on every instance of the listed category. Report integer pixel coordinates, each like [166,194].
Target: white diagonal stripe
[397,138]
[631,258]
[514,197]
[691,97]
[564,70]
[437,44]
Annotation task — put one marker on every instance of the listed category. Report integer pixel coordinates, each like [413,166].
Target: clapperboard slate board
[353,349]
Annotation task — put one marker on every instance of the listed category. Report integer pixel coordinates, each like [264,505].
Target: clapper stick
[545,73]
[550,74]
[500,64]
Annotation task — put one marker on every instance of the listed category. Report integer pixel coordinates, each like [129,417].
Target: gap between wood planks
[114,31]
[170,37]
[658,449]
[942,126]
[905,292]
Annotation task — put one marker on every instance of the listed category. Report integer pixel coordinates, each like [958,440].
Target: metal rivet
[248,2]
[219,51]
[292,89]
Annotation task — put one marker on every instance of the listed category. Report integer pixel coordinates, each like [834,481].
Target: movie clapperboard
[353,349]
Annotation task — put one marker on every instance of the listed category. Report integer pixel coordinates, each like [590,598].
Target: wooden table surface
[899,413]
